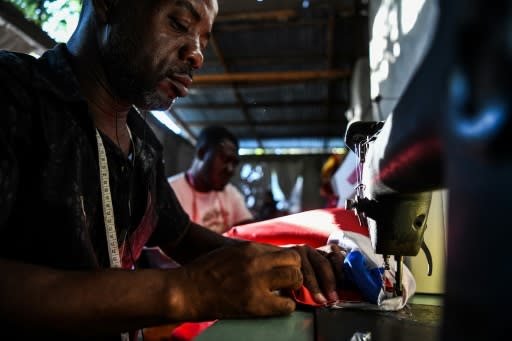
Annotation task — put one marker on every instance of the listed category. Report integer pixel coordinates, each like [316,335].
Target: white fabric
[356,241]
[217,211]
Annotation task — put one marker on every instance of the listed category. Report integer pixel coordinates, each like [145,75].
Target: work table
[417,322]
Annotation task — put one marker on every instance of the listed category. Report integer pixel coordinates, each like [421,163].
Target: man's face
[220,164]
[154,46]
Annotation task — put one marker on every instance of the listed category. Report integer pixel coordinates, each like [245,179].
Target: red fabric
[189,330]
[310,227]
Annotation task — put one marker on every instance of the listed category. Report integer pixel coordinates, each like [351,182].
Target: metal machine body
[396,222]
[449,130]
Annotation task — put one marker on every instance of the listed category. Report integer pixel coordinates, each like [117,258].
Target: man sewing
[83,188]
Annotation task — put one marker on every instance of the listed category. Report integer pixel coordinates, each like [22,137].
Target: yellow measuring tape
[108,211]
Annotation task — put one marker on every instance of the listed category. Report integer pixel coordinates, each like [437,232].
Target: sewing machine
[449,130]
[396,221]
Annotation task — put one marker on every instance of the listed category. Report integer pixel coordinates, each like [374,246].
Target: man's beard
[128,79]
[151,100]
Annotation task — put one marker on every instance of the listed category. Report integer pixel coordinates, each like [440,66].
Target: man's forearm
[112,300]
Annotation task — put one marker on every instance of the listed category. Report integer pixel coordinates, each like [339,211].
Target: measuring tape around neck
[108,211]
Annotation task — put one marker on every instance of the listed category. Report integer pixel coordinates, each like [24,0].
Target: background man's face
[222,163]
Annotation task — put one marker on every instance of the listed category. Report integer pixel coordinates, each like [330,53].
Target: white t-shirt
[215,210]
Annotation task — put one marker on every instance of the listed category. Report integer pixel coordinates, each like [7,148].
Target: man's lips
[175,85]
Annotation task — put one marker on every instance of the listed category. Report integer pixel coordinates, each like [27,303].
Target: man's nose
[193,54]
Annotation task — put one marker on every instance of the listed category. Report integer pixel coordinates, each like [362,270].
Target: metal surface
[415,322]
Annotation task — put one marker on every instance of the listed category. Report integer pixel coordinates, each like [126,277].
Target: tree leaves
[58,13]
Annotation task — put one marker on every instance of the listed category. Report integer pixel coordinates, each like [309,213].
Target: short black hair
[213,135]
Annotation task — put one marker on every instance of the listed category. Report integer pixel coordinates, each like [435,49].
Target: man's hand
[236,281]
[322,271]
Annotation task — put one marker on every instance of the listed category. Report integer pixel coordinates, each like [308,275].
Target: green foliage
[56,15]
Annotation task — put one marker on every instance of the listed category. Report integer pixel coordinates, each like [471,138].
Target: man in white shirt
[204,190]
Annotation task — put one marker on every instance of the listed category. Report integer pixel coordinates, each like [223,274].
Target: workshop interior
[291,78]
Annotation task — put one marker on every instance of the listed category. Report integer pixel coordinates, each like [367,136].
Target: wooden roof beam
[271,104]
[269,77]
[279,15]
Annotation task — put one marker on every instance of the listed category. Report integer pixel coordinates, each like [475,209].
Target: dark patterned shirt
[50,197]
